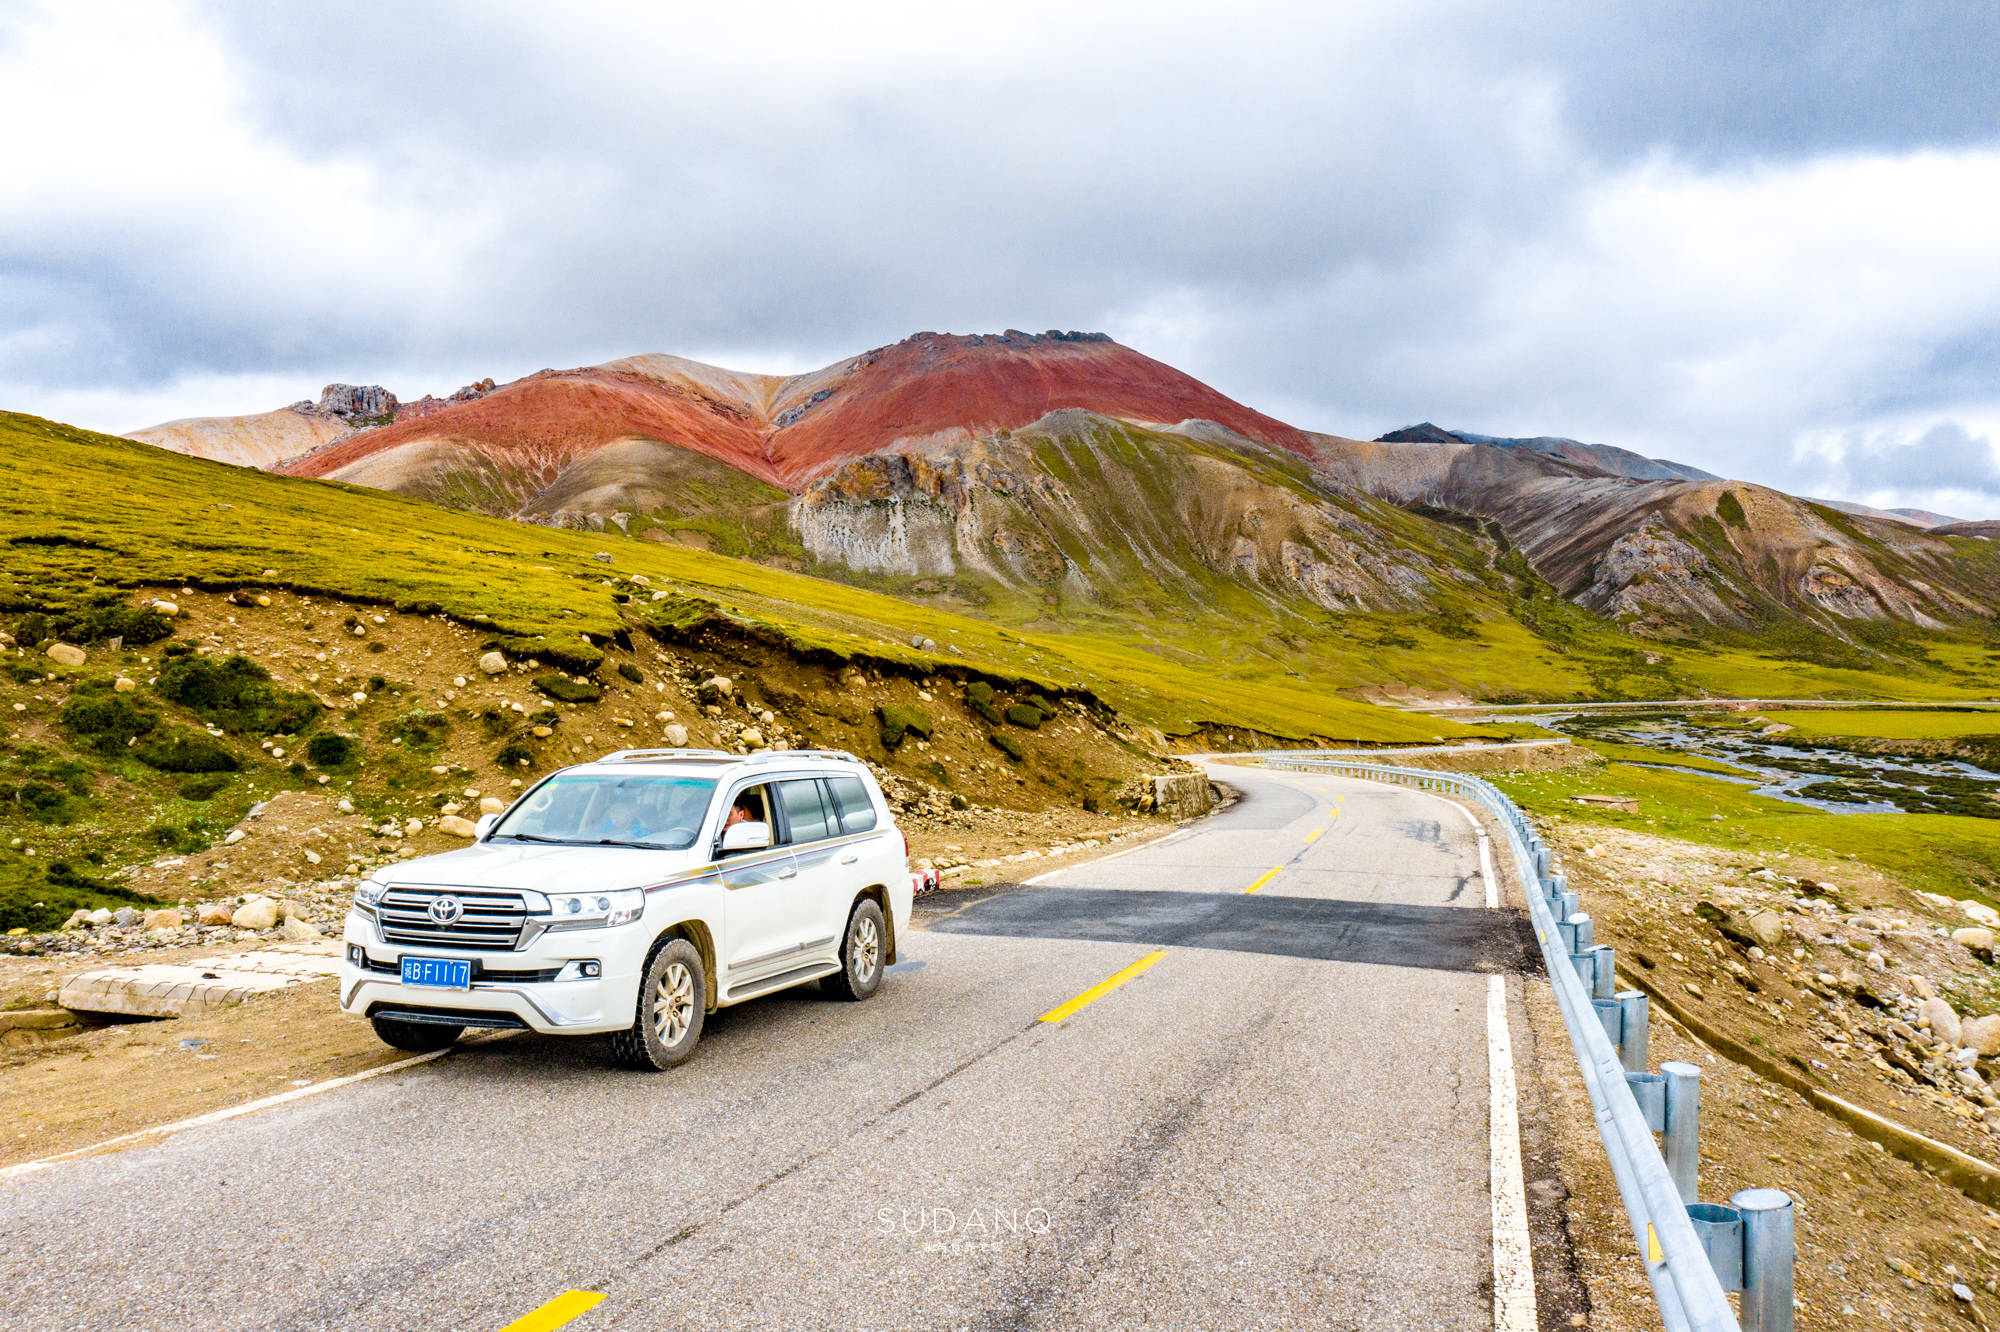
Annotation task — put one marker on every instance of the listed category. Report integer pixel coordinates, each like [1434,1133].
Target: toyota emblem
[447,909]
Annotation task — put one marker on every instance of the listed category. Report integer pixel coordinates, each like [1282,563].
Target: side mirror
[484,826]
[745,836]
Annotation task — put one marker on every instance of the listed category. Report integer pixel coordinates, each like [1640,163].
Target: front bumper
[528,997]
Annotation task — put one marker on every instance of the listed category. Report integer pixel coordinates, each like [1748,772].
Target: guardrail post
[1680,1142]
[1606,973]
[1720,1230]
[1768,1254]
[1632,1048]
[1558,885]
[1649,1092]
[1543,859]
[1566,904]
[1610,1016]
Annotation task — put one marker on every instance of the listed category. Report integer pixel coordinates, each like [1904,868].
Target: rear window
[805,813]
[857,811]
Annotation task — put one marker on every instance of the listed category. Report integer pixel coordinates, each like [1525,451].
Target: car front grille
[487,919]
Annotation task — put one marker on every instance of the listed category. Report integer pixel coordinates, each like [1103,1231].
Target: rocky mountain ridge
[1062,474]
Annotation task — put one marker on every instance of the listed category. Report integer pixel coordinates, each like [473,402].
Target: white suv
[633,896]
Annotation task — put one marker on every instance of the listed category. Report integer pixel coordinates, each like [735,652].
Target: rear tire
[416,1037]
[668,1014]
[862,954]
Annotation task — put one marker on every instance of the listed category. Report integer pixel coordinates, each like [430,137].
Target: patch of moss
[1025,715]
[329,749]
[234,693]
[103,722]
[568,690]
[420,729]
[896,720]
[631,672]
[1007,745]
[186,751]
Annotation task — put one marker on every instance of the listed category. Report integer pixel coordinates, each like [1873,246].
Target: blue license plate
[442,973]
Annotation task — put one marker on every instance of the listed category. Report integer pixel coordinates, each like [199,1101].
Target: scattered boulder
[167,608]
[456,825]
[67,654]
[215,913]
[77,918]
[1981,1034]
[1766,927]
[1976,937]
[125,916]
[493,664]
[101,916]
[124,685]
[235,836]
[1943,1021]
[752,738]
[715,689]
[1980,914]
[164,920]
[676,735]
[491,804]
[297,929]
[259,913]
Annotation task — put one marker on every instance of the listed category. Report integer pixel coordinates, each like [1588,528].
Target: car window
[856,810]
[806,815]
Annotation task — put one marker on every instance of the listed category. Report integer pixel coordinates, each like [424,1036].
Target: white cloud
[1353,217]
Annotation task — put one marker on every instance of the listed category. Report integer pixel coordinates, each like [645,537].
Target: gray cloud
[1356,218]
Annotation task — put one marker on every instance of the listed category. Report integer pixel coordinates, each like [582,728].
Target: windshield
[611,809]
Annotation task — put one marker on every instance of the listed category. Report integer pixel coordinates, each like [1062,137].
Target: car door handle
[789,872]
[850,858]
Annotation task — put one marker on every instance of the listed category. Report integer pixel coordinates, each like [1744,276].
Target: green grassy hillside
[82,512]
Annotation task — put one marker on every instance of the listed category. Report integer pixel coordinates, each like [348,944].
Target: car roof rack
[774,755]
[654,755]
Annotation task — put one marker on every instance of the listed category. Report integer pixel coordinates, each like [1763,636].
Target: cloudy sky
[1761,239]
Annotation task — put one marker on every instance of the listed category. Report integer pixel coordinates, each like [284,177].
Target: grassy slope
[1941,853]
[1896,724]
[79,508]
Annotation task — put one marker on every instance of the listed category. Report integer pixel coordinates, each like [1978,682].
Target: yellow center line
[1314,834]
[1089,996]
[1266,879]
[564,1308]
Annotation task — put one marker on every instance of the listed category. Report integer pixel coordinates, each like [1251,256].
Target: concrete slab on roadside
[179,989]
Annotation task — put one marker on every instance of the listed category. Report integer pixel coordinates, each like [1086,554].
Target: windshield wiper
[643,846]
[532,837]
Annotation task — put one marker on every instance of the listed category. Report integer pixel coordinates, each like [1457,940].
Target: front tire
[667,1017]
[416,1037]
[862,954]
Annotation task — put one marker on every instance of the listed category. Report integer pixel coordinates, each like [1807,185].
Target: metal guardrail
[1693,1251]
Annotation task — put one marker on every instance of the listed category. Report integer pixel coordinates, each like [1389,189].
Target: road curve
[1262,1108]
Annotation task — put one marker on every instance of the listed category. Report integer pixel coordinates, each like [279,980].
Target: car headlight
[368,892]
[583,911]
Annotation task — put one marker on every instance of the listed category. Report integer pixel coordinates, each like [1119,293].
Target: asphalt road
[1280,1120]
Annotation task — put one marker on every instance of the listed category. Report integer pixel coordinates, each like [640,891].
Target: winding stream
[1799,771]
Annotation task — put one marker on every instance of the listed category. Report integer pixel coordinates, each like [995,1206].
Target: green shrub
[568,690]
[1008,745]
[421,729]
[43,802]
[43,900]
[105,722]
[1048,709]
[234,693]
[546,717]
[514,755]
[978,692]
[137,625]
[201,786]
[176,837]
[1024,715]
[186,751]
[631,672]
[329,749]
[895,720]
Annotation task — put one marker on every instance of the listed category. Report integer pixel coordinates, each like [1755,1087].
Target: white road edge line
[247,1108]
[1513,1248]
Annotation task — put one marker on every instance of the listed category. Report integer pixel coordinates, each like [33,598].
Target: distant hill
[1923,518]
[1057,479]
[1604,459]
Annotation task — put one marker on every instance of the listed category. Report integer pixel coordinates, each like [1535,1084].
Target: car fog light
[356,955]
[590,970]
